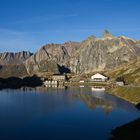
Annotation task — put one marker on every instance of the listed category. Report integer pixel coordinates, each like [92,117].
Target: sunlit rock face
[50,58]
[97,54]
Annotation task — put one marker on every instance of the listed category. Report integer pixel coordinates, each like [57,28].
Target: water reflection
[98,88]
[56,86]
[93,97]
[61,113]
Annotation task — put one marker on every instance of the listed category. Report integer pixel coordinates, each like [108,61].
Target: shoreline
[129,94]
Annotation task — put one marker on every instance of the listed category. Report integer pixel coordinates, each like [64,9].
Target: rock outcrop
[106,34]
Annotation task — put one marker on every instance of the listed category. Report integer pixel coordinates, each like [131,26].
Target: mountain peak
[107,34]
[92,37]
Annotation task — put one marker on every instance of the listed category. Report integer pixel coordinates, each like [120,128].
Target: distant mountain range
[14,58]
[91,55]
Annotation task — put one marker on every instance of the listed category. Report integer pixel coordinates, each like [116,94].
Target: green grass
[131,94]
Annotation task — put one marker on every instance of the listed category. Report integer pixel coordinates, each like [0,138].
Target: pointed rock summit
[92,37]
[107,34]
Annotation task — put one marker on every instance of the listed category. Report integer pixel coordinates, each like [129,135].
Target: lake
[62,114]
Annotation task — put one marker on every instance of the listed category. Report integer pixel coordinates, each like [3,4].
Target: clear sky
[29,24]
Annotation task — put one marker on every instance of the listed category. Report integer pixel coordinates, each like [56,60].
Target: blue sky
[29,24]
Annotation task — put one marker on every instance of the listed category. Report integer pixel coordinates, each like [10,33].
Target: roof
[98,75]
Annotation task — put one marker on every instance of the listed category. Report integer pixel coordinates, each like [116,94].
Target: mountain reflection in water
[93,97]
[99,99]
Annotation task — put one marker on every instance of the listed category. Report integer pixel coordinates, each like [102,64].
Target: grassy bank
[130,94]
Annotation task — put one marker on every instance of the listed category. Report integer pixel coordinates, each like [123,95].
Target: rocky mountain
[8,58]
[99,54]
[93,54]
[52,58]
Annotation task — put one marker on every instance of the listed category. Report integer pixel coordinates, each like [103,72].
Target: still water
[61,114]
